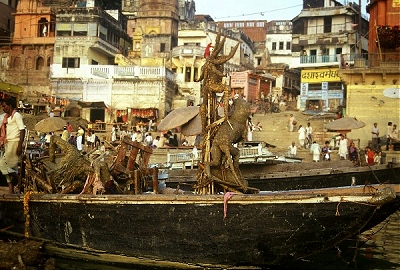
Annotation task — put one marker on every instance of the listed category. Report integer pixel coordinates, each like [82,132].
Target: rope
[376,178]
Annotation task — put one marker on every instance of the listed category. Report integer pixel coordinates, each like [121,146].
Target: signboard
[320,75]
[238,79]
[303,90]
[324,86]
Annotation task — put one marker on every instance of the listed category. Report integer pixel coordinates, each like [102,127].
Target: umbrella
[345,124]
[193,127]
[177,118]
[50,124]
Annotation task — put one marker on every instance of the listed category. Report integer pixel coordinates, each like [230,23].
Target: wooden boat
[292,176]
[201,229]
[269,228]
[185,229]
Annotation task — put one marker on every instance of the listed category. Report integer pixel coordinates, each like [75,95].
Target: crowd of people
[147,137]
[346,148]
[13,133]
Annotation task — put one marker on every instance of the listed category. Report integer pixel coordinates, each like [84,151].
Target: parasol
[50,124]
[345,124]
[193,127]
[178,117]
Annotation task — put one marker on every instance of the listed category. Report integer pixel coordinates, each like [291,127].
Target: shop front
[144,117]
[321,90]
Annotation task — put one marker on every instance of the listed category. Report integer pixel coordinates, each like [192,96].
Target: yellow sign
[320,75]
[11,88]
[396,3]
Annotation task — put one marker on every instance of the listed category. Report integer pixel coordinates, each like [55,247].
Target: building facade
[188,56]
[7,8]
[30,54]
[373,91]
[326,35]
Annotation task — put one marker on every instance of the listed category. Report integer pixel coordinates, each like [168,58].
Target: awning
[93,105]
[11,88]
[145,113]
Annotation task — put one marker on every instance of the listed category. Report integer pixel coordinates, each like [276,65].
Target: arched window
[28,63]
[39,63]
[43,29]
[17,63]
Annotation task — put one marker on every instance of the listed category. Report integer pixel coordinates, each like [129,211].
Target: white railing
[110,71]
[190,158]
[184,159]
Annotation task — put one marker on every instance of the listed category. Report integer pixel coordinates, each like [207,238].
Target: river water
[376,249]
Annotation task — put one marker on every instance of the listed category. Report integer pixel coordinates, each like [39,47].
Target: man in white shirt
[12,136]
[148,139]
[292,150]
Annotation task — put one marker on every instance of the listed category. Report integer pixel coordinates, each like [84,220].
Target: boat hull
[287,179]
[258,230]
[299,176]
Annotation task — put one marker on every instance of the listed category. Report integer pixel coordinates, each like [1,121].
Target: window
[17,63]
[162,47]
[28,63]
[187,74]
[260,24]
[281,45]
[250,24]
[39,63]
[288,45]
[327,24]
[137,45]
[273,46]
[335,86]
[92,29]
[70,62]
[314,87]
[239,24]
[228,25]
[64,29]
[4,62]
[80,29]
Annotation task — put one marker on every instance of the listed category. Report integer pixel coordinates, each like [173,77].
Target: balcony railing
[188,50]
[110,71]
[135,72]
[318,59]
[365,60]
[372,60]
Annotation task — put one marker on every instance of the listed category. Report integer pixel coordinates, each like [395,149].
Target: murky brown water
[377,249]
